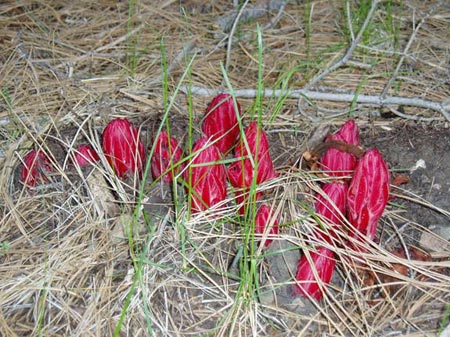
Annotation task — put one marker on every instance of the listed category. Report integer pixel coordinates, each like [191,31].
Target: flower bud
[123,149]
[349,133]
[323,264]
[35,167]
[165,157]
[264,218]
[205,176]
[368,193]
[338,163]
[221,122]
[85,155]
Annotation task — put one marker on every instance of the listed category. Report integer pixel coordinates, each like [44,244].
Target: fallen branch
[225,23]
[442,107]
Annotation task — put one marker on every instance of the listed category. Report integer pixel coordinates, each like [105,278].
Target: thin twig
[411,117]
[277,17]
[442,107]
[225,22]
[187,48]
[343,60]
[405,52]
[230,36]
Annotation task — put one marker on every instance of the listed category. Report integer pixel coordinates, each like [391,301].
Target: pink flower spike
[368,193]
[332,208]
[348,133]
[85,155]
[206,177]
[221,122]
[36,165]
[263,218]
[323,263]
[165,156]
[338,163]
[241,172]
[123,149]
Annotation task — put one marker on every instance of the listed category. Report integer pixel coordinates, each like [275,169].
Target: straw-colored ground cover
[86,254]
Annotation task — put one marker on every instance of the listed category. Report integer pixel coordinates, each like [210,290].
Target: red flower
[123,149]
[166,155]
[36,165]
[85,155]
[263,218]
[323,263]
[205,176]
[221,122]
[338,163]
[333,207]
[241,172]
[368,193]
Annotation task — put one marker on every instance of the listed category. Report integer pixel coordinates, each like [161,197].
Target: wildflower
[263,218]
[205,176]
[36,165]
[338,163]
[368,193]
[85,155]
[221,122]
[123,149]
[323,264]
[166,154]
[349,133]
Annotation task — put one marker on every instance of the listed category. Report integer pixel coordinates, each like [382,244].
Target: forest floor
[87,254]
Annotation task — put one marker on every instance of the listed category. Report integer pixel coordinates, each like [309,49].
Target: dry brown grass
[66,68]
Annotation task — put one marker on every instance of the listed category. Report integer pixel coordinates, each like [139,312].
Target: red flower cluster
[361,202]
[205,176]
[207,183]
[121,145]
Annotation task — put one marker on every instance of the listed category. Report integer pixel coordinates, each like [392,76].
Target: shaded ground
[424,152]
